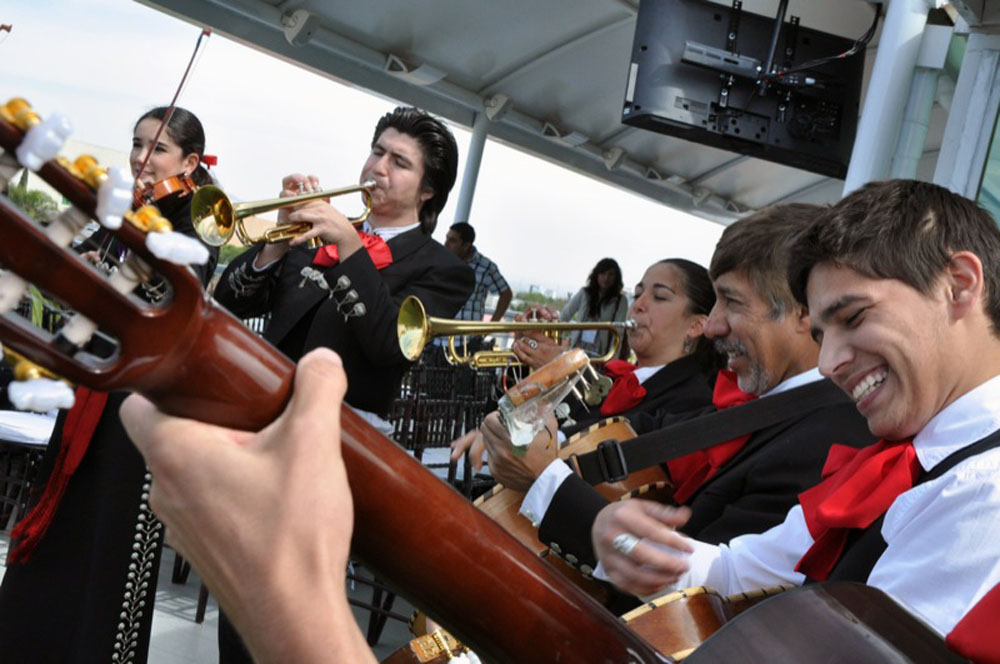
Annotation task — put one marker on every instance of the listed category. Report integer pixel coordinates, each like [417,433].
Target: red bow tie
[858,487]
[692,470]
[626,392]
[381,255]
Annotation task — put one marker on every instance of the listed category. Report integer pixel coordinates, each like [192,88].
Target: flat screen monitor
[694,75]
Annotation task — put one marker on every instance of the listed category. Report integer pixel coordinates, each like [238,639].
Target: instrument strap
[612,462]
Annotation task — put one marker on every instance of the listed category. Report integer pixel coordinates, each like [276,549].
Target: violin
[182,185]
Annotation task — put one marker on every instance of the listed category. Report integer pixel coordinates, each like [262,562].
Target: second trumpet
[415,329]
[216,218]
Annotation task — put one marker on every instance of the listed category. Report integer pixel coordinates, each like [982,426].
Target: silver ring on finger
[625,543]
[532,344]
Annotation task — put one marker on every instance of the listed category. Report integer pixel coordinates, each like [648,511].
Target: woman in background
[600,300]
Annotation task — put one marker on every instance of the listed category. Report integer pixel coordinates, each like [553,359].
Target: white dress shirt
[943,536]
[539,497]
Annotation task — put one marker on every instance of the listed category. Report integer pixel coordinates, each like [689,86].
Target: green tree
[35,203]
[538,298]
[230,251]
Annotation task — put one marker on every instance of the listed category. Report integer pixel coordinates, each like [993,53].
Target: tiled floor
[178,639]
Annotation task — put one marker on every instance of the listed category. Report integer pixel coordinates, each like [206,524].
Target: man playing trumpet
[346,294]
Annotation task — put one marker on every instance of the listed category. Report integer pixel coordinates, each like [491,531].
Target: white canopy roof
[563,65]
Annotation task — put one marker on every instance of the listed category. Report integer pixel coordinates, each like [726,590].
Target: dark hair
[758,246]
[440,156]
[465,231]
[901,229]
[595,298]
[184,129]
[697,287]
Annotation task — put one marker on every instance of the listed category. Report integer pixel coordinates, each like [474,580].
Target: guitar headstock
[187,355]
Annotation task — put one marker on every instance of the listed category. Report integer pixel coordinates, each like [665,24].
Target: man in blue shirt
[459,241]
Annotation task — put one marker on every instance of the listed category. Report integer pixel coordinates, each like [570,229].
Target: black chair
[19,468]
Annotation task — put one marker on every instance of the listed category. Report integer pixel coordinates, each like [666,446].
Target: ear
[965,283]
[800,313]
[190,163]
[426,195]
[696,327]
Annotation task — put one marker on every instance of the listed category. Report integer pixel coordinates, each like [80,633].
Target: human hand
[648,568]
[295,185]
[472,442]
[538,312]
[520,471]
[265,518]
[536,349]
[93,256]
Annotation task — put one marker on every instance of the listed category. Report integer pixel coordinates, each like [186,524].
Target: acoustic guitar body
[680,621]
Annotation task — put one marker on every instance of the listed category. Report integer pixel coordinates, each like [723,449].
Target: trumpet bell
[213,216]
[412,328]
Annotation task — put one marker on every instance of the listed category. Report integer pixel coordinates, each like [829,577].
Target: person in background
[459,241]
[600,300]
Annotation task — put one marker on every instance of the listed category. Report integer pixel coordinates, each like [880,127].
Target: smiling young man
[346,295]
[901,282]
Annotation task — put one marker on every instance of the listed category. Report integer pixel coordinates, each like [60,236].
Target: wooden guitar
[194,360]
[832,622]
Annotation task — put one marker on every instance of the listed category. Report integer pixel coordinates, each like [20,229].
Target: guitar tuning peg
[33,387]
[43,141]
[12,289]
[177,248]
[149,220]
[19,112]
[114,198]
[40,394]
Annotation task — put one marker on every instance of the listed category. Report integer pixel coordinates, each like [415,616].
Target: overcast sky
[104,62]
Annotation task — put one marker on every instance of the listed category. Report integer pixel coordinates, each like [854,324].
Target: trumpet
[216,218]
[415,329]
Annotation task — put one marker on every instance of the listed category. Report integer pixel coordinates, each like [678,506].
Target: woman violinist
[81,575]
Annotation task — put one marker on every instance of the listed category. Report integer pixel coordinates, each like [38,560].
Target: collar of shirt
[642,374]
[969,418]
[804,378]
[388,232]
[474,257]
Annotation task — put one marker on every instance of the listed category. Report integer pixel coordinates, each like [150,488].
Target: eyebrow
[656,285]
[659,285]
[728,292]
[395,154]
[839,304]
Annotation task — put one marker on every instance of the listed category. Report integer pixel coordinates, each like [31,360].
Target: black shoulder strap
[958,456]
[612,462]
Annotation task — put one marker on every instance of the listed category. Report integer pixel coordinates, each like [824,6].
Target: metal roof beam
[716,170]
